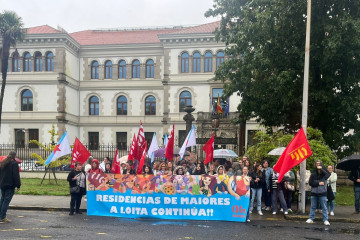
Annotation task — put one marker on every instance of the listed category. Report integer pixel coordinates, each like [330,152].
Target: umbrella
[123,159]
[277,151]
[224,153]
[16,159]
[161,152]
[349,163]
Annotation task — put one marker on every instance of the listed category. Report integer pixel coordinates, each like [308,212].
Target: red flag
[296,152]
[132,149]
[142,160]
[140,143]
[115,168]
[209,150]
[169,152]
[79,154]
[218,106]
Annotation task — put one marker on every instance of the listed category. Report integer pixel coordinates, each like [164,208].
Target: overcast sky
[78,15]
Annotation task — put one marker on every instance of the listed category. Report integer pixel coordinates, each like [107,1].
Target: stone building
[99,84]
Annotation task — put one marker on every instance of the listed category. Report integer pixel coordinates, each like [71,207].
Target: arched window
[94,70]
[185,62]
[108,70]
[184,100]
[50,62]
[27,62]
[122,105]
[26,100]
[219,58]
[136,69]
[122,69]
[94,105]
[208,62]
[196,62]
[150,68]
[38,62]
[150,105]
[15,62]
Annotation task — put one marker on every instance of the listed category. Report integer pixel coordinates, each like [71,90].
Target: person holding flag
[79,153]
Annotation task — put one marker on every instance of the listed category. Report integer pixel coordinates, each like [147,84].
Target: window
[93,140]
[196,62]
[150,105]
[19,138]
[122,105]
[219,58]
[50,62]
[94,70]
[94,106]
[26,100]
[121,140]
[208,62]
[148,138]
[182,136]
[38,62]
[15,62]
[108,70]
[33,135]
[136,69]
[185,62]
[184,100]
[27,62]
[150,69]
[251,137]
[122,69]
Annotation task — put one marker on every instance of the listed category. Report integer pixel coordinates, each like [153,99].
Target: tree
[266,40]
[266,142]
[11,31]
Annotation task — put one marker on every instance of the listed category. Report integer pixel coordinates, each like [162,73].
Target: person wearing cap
[9,180]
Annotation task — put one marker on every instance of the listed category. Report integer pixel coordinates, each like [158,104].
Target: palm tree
[11,31]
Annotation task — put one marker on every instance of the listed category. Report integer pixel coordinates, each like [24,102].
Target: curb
[305,217]
[38,208]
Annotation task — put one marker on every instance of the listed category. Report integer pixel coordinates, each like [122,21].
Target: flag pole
[305,107]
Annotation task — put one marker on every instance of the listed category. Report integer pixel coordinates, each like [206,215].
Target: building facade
[99,84]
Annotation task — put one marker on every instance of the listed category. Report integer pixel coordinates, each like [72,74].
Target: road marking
[20,229]
[46,236]
[101,233]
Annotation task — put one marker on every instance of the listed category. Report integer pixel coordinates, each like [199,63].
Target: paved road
[59,225]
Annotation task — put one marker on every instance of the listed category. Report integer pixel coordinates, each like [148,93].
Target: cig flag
[115,168]
[61,149]
[132,149]
[209,150]
[190,140]
[79,153]
[169,152]
[142,160]
[296,152]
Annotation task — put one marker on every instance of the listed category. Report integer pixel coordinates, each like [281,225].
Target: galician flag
[189,141]
[61,149]
[153,147]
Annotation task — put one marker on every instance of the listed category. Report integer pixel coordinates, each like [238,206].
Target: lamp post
[188,118]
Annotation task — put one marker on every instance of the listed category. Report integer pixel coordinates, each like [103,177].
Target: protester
[268,171]
[179,170]
[162,169]
[9,180]
[307,186]
[87,166]
[128,169]
[170,166]
[247,164]
[211,170]
[76,179]
[277,192]
[222,175]
[102,165]
[331,183]
[237,169]
[107,168]
[289,179]
[147,170]
[256,184]
[248,178]
[355,177]
[95,166]
[318,183]
[200,169]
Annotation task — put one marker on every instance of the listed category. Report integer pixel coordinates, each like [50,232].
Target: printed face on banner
[169,196]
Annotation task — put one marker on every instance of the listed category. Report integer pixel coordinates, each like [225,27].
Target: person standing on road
[76,178]
[268,171]
[277,192]
[289,179]
[318,183]
[256,184]
[9,180]
[355,177]
[332,183]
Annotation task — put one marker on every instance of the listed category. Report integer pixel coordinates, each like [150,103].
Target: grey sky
[77,15]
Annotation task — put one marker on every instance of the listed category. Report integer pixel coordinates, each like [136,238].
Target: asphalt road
[59,225]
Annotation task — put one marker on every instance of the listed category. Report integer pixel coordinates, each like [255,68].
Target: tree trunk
[4,65]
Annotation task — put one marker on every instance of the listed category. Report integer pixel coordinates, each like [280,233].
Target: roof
[42,29]
[204,28]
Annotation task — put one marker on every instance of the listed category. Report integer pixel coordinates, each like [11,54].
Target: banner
[189,197]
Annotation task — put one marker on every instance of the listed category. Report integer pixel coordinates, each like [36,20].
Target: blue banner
[168,197]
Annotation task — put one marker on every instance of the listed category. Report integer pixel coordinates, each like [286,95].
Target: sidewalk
[62,203]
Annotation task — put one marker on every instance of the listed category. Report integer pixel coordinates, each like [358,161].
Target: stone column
[202,63]
[101,72]
[213,63]
[128,71]
[21,64]
[157,68]
[10,62]
[191,69]
[43,63]
[86,69]
[142,70]
[115,71]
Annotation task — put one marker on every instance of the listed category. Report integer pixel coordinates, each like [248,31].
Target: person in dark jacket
[355,177]
[76,178]
[277,192]
[318,183]
[256,184]
[9,180]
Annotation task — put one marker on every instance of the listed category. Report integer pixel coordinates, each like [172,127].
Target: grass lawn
[345,196]
[33,186]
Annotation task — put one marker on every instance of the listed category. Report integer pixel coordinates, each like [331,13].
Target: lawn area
[345,196]
[33,186]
